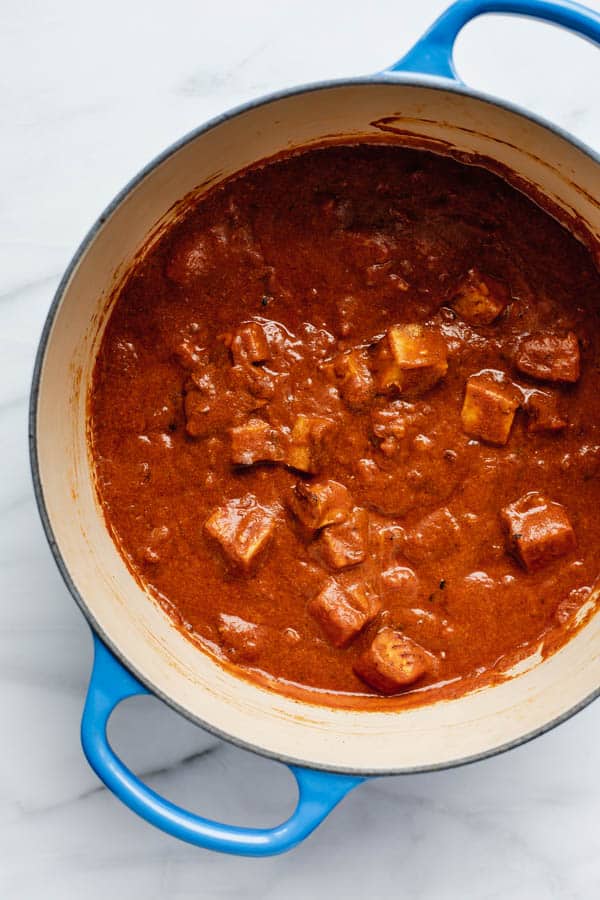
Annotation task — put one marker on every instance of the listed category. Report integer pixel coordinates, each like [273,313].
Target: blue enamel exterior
[318,791]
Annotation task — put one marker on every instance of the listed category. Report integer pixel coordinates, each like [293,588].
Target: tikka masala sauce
[345,422]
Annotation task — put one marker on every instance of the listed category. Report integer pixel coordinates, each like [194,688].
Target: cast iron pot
[137,649]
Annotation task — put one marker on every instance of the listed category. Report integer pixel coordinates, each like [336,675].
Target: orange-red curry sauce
[345,421]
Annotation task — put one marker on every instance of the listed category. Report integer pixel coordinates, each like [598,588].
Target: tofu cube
[434,537]
[243,528]
[410,359]
[345,544]
[255,441]
[353,378]
[538,530]
[544,412]
[480,299]
[489,407]
[549,357]
[320,503]
[393,662]
[343,612]
[307,443]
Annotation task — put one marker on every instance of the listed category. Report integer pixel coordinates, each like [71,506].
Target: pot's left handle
[318,792]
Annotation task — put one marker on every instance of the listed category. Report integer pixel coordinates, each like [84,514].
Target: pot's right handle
[433,53]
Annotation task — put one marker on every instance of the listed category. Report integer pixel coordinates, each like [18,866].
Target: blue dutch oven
[418,101]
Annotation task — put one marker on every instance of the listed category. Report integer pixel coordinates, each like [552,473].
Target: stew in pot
[345,422]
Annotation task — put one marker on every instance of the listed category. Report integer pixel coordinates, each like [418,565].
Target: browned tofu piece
[410,359]
[343,612]
[436,535]
[307,443]
[480,298]
[241,640]
[393,662]
[538,530]
[322,503]
[549,357]
[256,441]
[248,344]
[353,378]
[489,407]
[243,528]
[542,408]
[345,544]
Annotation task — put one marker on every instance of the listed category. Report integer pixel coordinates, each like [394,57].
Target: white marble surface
[87,95]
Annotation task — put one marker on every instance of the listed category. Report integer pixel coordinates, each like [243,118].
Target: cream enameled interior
[133,624]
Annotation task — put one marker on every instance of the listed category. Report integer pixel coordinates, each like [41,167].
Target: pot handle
[433,53]
[318,792]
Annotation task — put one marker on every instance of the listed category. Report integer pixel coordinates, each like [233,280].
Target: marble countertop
[89,94]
